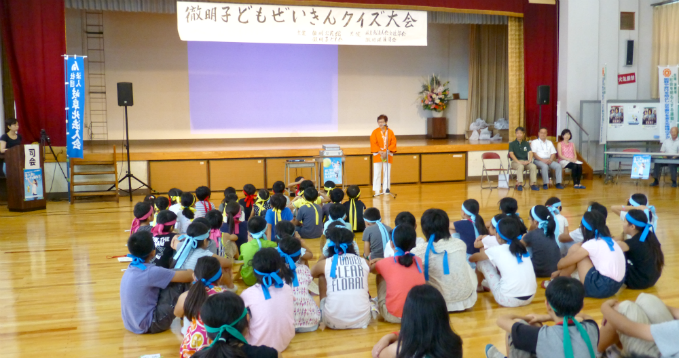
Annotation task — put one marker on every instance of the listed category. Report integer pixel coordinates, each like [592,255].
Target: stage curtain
[664,41]
[488,79]
[540,64]
[515,74]
[34,39]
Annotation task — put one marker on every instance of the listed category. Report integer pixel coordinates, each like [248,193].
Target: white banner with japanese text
[251,23]
[603,106]
[668,96]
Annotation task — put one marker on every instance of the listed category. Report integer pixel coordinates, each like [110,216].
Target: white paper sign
[32,156]
[252,23]
[668,96]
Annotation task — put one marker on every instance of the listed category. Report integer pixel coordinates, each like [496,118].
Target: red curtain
[34,39]
[540,64]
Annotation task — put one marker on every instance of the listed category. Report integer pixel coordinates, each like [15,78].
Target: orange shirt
[383,141]
[399,280]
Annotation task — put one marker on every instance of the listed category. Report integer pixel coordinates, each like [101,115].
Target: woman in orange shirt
[383,146]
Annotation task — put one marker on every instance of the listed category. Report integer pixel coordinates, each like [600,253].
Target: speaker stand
[128,174]
[540,106]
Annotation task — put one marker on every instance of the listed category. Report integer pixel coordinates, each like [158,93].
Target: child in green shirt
[257,239]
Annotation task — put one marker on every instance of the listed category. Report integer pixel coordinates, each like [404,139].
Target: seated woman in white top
[445,262]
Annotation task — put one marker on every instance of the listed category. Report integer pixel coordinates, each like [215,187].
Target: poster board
[633,120]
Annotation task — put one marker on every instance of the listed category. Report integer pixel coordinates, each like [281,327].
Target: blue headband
[336,248]
[229,328]
[637,223]
[555,208]
[519,257]
[137,262]
[494,223]
[258,235]
[209,282]
[188,245]
[542,224]
[267,279]
[383,231]
[399,252]
[646,211]
[291,263]
[473,217]
[590,208]
[606,239]
[430,248]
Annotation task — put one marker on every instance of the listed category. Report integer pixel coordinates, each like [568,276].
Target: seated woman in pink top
[270,302]
[567,157]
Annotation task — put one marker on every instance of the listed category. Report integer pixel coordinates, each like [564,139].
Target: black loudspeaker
[630,44]
[125,94]
[543,95]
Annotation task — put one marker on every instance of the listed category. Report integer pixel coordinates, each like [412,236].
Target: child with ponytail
[226,319]
[270,301]
[257,230]
[507,267]
[398,274]
[234,224]
[276,213]
[541,241]
[224,241]
[248,200]
[175,198]
[343,283]
[639,202]
[261,203]
[644,257]
[355,209]
[207,275]
[445,265]
[600,262]
[187,214]
[162,238]
[143,213]
[470,228]
[307,313]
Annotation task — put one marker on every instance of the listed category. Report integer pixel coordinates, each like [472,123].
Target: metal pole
[127,144]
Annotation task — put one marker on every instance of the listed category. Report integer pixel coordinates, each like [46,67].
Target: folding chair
[626,166]
[485,171]
[512,170]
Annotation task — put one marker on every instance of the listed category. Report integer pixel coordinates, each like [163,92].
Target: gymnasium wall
[145,49]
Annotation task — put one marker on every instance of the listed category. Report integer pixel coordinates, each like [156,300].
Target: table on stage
[627,158]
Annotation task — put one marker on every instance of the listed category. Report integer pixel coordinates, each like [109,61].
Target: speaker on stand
[125,100]
[542,97]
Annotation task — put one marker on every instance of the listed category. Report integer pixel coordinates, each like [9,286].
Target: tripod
[45,140]
[128,174]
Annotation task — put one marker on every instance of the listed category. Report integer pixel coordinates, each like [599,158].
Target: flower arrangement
[434,94]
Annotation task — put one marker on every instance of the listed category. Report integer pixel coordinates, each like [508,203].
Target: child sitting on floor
[406,217]
[147,297]
[248,200]
[397,275]
[444,262]
[508,206]
[278,212]
[336,195]
[233,224]
[270,301]
[175,198]
[326,249]
[470,228]
[143,213]
[261,203]
[225,318]
[644,328]
[376,236]
[507,267]
[224,241]
[162,238]
[555,206]
[355,209]
[203,205]
[308,217]
[187,214]
[161,203]
[644,257]
[575,333]
[257,228]
[306,312]
[489,241]
[206,283]
[567,239]
[343,284]
[540,241]
[280,188]
[599,261]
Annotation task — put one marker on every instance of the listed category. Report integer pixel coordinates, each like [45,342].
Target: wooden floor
[60,293]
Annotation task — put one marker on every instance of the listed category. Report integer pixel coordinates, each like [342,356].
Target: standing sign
[255,23]
[332,170]
[641,166]
[668,96]
[32,156]
[604,119]
[75,88]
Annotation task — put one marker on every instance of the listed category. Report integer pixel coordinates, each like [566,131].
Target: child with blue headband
[226,321]
[600,262]
[554,204]
[336,217]
[257,240]
[644,258]
[270,301]
[397,275]
[445,265]
[376,236]
[507,267]
[640,202]
[306,312]
[541,241]
[343,283]
[207,276]
[147,297]
[573,334]
[567,239]
[470,228]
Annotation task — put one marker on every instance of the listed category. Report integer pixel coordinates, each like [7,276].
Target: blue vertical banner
[75,88]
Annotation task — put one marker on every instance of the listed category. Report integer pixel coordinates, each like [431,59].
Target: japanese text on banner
[75,87]
[227,22]
[668,93]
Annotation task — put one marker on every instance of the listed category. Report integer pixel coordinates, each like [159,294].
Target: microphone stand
[387,191]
